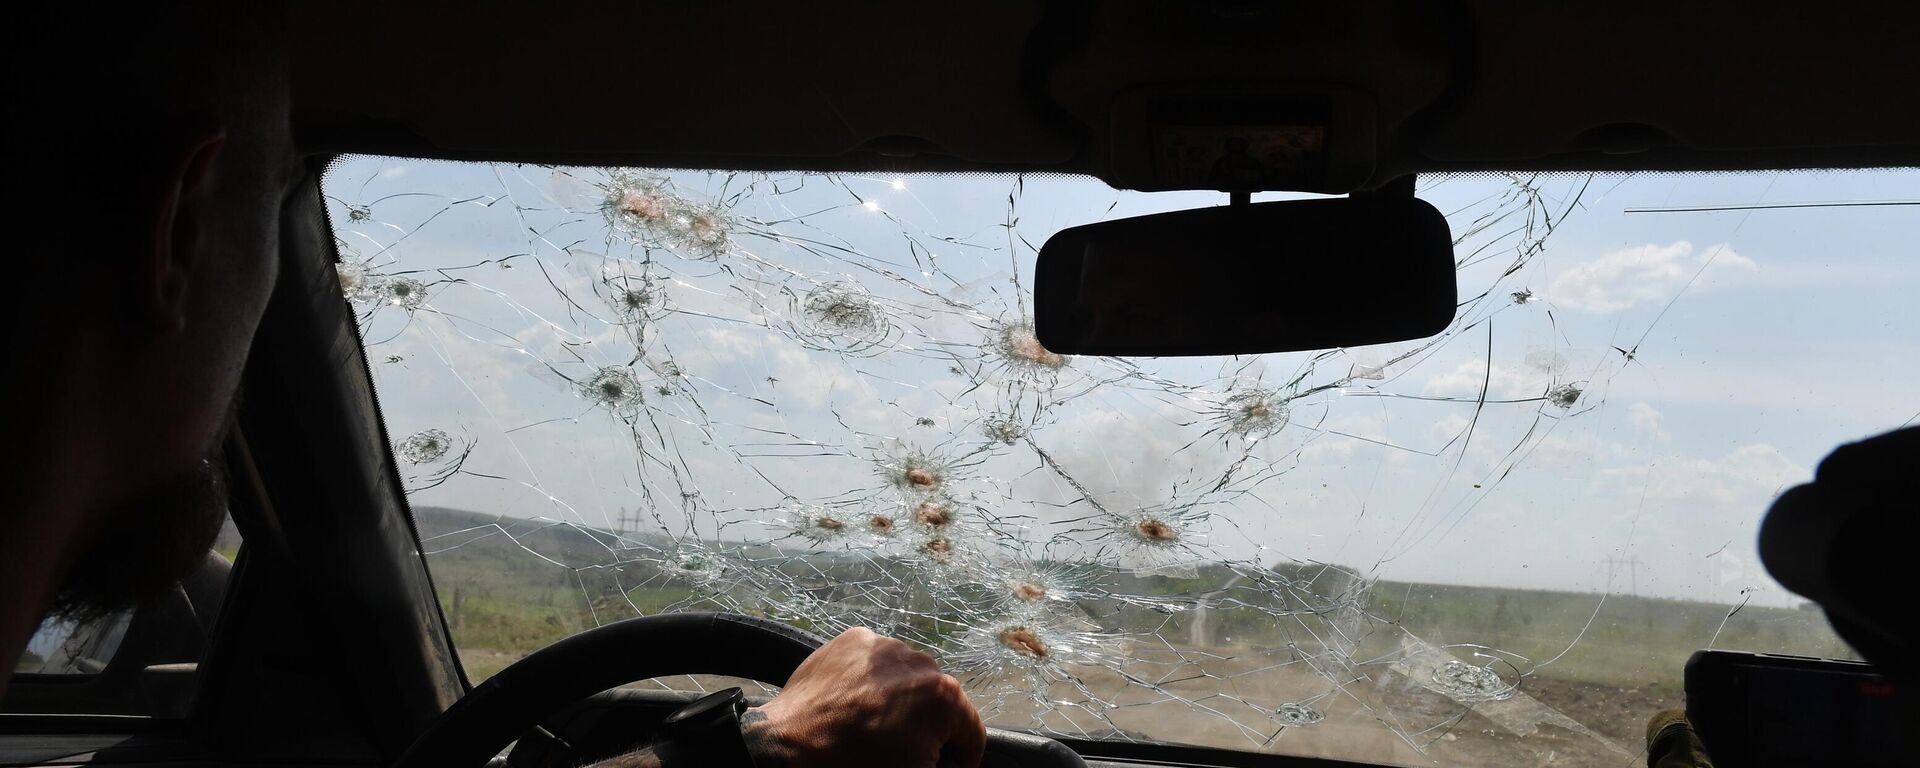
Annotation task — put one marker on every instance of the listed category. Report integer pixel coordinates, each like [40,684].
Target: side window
[134,661]
[68,647]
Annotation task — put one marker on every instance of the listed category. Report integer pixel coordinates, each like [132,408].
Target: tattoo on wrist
[762,742]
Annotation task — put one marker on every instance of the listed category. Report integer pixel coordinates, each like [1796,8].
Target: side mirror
[1247,279]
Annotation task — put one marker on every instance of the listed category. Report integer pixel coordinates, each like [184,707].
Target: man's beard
[148,544]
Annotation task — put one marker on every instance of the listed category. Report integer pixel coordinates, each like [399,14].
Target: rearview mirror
[1247,279]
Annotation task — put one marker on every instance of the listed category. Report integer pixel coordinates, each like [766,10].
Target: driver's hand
[863,699]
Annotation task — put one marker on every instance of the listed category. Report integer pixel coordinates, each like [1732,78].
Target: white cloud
[1331,446]
[1447,429]
[1502,383]
[810,380]
[1119,459]
[1748,477]
[1646,422]
[1646,274]
[1545,360]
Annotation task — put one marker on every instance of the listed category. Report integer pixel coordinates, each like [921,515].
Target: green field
[1632,641]
[503,601]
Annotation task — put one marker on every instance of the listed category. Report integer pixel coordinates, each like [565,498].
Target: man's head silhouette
[155,153]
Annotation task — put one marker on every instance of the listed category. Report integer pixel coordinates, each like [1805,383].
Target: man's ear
[179,215]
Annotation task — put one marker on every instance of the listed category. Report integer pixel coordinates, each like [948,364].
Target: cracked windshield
[818,398]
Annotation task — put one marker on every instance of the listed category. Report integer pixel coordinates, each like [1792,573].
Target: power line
[1770,206]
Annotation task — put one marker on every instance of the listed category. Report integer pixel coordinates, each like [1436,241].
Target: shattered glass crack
[820,398]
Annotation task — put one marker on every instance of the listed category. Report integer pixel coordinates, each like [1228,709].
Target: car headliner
[1029,86]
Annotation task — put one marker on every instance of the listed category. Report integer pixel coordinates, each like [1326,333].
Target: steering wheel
[492,715]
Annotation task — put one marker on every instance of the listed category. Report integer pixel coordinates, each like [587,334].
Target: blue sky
[1762,339]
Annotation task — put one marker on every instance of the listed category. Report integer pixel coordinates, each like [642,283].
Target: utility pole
[1632,564]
